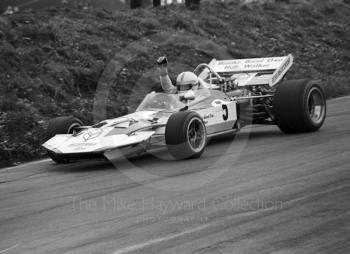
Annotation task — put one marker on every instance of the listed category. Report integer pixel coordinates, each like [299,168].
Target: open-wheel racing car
[239,93]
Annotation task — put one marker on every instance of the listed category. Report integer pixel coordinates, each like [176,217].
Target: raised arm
[165,81]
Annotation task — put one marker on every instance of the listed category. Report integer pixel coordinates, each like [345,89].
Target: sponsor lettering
[274,59]
[79,148]
[281,70]
[92,134]
[230,62]
[231,67]
[259,60]
[255,66]
[208,116]
[255,63]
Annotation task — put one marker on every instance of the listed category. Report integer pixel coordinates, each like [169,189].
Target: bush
[21,137]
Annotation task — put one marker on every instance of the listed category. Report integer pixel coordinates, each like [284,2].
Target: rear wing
[253,71]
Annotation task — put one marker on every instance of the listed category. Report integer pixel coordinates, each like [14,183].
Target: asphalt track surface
[276,194]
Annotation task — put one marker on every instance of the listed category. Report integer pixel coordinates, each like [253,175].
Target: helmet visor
[184,87]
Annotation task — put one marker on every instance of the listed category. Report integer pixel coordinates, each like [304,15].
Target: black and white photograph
[174,126]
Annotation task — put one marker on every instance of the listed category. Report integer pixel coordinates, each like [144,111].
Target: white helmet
[186,81]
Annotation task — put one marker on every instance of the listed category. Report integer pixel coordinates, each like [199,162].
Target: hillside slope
[45,4]
[62,62]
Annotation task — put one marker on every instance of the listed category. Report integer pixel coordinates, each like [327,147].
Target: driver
[185,81]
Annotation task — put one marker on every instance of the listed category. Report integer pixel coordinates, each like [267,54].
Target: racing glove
[162,61]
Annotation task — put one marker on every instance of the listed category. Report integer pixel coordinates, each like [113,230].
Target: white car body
[140,130]
[230,82]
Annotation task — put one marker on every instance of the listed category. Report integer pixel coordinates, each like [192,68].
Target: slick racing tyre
[185,135]
[299,106]
[61,125]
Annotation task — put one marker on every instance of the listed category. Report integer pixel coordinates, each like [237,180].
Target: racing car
[240,92]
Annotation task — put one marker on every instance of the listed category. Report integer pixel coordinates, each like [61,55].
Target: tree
[135,4]
[192,4]
[156,3]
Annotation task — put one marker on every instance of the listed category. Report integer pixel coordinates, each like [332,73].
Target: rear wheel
[185,135]
[299,106]
[61,125]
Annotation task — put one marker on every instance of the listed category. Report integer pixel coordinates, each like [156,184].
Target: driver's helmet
[186,81]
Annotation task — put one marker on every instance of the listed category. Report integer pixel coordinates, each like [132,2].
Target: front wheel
[299,106]
[185,135]
[61,125]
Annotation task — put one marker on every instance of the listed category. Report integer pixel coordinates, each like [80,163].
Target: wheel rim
[316,105]
[196,135]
